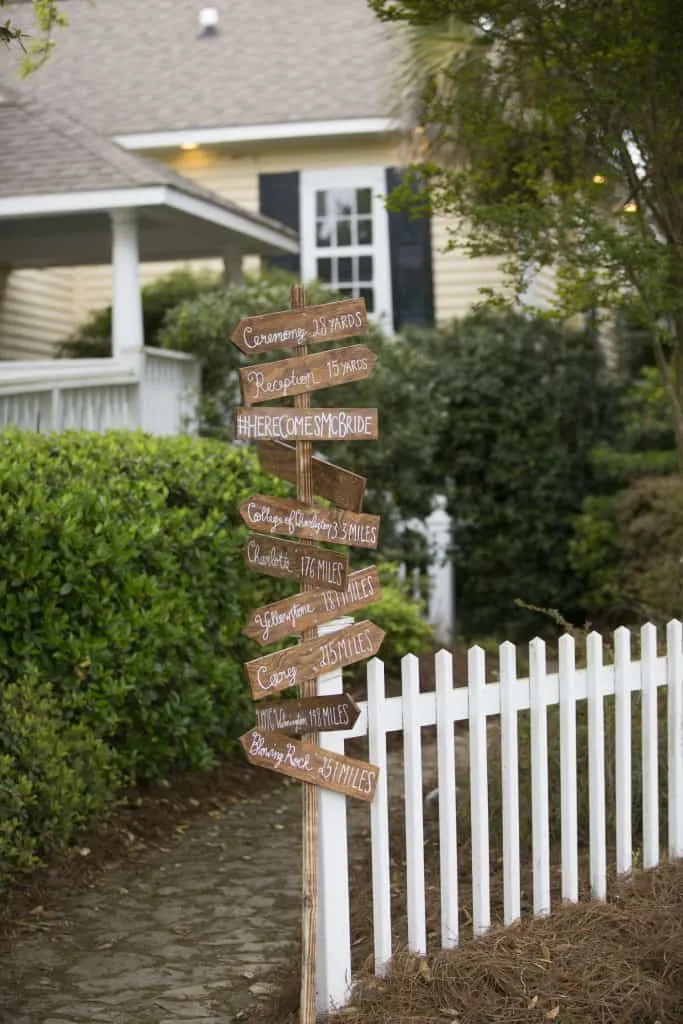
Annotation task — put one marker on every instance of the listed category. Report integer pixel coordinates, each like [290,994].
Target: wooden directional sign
[279,671]
[286,424]
[309,763]
[310,714]
[340,486]
[294,615]
[310,522]
[271,381]
[331,321]
[287,560]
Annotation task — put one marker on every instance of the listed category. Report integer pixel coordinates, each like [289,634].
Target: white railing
[156,391]
[474,705]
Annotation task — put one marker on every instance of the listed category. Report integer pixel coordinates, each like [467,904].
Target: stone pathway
[183,935]
[186,934]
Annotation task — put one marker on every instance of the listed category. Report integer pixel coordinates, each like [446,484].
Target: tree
[47,15]
[551,134]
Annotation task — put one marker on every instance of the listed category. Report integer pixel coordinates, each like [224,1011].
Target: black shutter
[279,199]
[410,240]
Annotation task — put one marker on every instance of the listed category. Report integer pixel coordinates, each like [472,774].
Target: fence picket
[379,819]
[568,795]
[596,769]
[479,793]
[448,833]
[540,830]
[648,658]
[509,744]
[674,640]
[412,768]
[622,750]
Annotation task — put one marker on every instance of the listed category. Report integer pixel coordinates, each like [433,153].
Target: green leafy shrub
[55,775]
[122,584]
[402,618]
[92,339]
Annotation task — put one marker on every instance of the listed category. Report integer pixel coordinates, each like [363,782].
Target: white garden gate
[474,704]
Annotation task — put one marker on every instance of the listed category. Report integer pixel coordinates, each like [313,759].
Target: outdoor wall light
[189,147]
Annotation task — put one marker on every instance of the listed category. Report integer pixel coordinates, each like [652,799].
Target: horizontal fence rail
[479,723]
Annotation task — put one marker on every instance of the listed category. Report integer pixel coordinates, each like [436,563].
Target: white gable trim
[157,195]
[259,132]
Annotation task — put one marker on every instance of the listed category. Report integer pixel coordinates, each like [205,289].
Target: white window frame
[374,178]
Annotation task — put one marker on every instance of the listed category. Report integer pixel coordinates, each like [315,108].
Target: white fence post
[509,765]
[674,639]
[334,930]
[412,780]
[596,769]
[568,795]
[540,830]
[448,818]
[622,750]
[479,792]
[648,658]
[379,819]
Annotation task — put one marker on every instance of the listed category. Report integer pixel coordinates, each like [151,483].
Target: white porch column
[127,327]
[232,268]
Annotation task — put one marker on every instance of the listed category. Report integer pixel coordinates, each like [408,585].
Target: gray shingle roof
[45,151]
[141,65]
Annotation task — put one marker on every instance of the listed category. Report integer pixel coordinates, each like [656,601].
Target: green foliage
[92,339]
[401,617]
[550,138]
[55,775]
[525,402]
[37,47]
[122,584]
[627,549]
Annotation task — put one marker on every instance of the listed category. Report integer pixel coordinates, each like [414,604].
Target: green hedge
[123,594]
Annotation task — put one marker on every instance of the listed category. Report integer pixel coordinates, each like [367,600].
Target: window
[345,236]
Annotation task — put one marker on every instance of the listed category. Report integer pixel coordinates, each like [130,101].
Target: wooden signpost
[283,424]
[293,665]
[310,714]
[293,615]
[327,588]
[309,763]
[301,326]
[310,522]
[340,486]
[290,561]
[270,381]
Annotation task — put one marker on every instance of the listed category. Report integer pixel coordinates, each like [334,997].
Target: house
[70,198]
[290,108]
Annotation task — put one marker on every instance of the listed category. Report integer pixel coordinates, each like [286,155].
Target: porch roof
[59,182]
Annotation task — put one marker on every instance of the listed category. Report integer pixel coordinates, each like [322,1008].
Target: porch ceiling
[174,228]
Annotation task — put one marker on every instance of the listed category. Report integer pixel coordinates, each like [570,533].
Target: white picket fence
[474,704]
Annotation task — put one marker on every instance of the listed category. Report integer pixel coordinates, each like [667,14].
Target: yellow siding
[40,312]
[36,310]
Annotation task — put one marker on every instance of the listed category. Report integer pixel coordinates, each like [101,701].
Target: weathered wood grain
[290,328]
[309,714]
[280,423]
[307,762]
[268,382]
[288,560]
[289,518]
[291,666]
[293,615]
[340,486]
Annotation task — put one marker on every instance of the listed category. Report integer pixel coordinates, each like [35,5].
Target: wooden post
[309,836]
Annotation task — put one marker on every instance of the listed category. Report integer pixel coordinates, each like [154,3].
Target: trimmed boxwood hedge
[122,597]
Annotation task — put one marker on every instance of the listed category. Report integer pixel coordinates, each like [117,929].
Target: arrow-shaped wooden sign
[310,714]
[287,560]
[310,522]
[287,424]
[340,486]
[309,763]
[290,328]
[294,615]
[271,381]
[279,671]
